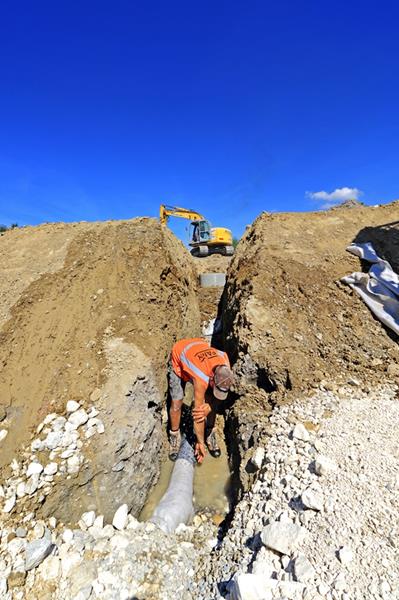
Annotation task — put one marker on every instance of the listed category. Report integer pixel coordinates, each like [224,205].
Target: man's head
[223,379]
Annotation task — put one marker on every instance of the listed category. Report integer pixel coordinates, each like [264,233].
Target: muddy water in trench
[211,485]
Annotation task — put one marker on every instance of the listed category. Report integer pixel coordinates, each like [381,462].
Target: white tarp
[379,288]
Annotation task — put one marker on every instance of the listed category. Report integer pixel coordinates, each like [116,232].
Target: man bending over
[195,361]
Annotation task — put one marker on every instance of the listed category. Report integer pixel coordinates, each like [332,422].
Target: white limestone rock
[265,563]
[16,545]
[120,517]
[67,536]
[73,464]
[99,521]
[69,562]
[58,424]
[324,465]
[33,469]
[100,427]
[248,586]
[300,433]
[72,406]
[78,418]
[53,440]
[119,541]
[3,434]
[32,484]
[50,569]
[339,582]
[303,569]
[9,504]
[93,412]
[282,537]
[37,445]
[258,457]
[52,522]
[21,532]
[67,453]
[84,593]
[345,555]
[21,490]
[39,530]
[312,498]
[36,552]
[51,468]
[49,418]
[88,518]
[3,587]
[292,590]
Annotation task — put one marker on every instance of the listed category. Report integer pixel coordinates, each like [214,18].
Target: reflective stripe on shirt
[191,365]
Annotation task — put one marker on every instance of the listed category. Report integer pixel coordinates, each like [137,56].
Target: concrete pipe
[176,505]
[212,279]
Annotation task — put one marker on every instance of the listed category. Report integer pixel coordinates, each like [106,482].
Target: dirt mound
[351,203]
[290,323]
[29,252]
[96,325]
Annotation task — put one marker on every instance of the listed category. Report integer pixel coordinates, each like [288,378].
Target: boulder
[303,569]
[324,465]
[312,498]
[72,406]
[121,517]
[300,433]
[36,552]
[282,537]
[345,555]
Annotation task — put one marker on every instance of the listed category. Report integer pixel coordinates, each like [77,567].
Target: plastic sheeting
[176,505]
[379,288]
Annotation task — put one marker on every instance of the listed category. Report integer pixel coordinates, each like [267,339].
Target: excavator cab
[200,232]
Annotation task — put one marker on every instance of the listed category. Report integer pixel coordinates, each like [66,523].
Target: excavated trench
[218,483]
[105,321]
[213,492]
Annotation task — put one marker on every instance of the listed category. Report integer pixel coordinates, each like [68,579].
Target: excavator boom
[166,211]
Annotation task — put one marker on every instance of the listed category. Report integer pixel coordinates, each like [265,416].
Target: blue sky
[108,109]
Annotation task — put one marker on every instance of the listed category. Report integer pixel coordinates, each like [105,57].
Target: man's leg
[210,432]
[176,391]
[175,414]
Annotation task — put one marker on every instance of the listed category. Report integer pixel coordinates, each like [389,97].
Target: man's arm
[199,426]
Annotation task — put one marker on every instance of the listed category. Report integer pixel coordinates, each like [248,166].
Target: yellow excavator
[203,239]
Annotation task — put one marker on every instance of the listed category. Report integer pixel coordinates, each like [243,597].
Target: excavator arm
[166,211]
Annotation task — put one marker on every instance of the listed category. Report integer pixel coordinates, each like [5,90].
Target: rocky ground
[89,313]
[321,519]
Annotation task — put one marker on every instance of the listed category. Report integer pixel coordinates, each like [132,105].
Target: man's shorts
[176,385]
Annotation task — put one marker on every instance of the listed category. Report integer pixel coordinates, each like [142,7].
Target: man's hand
[201,412]
[199,452]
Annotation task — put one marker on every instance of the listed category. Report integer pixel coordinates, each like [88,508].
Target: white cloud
[338,195]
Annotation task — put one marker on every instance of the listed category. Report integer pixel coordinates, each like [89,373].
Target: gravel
[339,482]
[319,521]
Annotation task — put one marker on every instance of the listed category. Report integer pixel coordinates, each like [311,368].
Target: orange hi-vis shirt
[195,359]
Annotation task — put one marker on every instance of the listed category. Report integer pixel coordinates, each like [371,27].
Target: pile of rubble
[56,453]
[321,519]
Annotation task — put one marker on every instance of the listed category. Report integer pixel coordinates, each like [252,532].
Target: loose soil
[289,321]
[70,287]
